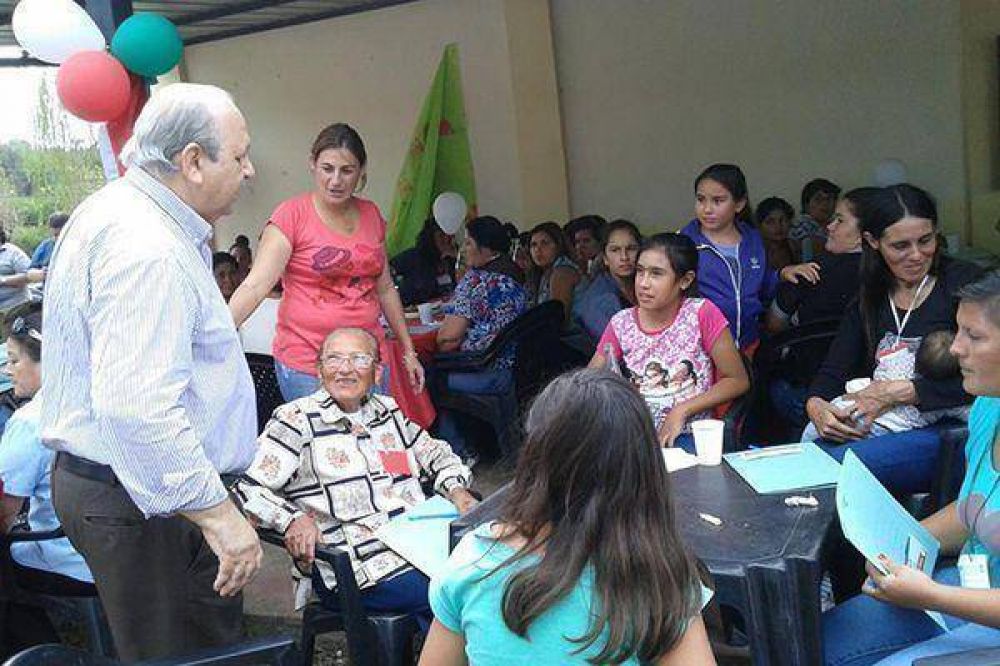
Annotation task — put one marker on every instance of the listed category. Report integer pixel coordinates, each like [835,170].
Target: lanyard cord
[913,305]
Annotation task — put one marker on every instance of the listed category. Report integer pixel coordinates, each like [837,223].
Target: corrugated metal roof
[202,21]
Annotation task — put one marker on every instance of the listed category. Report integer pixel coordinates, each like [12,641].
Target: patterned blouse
[352,472]
[490,301]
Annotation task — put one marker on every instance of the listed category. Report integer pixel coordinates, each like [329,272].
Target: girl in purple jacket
[732,263]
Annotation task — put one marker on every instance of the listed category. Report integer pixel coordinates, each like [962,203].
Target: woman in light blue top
[46,567]
[612,289]
[886,625]
[585,564]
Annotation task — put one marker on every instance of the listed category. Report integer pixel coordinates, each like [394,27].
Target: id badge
[974,571]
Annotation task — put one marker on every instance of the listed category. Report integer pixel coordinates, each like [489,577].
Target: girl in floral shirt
[676,348]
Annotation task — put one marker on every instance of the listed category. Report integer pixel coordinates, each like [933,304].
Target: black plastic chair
[265,382]
[376,639]
[983,657]
[89,607]
[735,418]
[534,336]
[799,351]
[274,650]
[278,651]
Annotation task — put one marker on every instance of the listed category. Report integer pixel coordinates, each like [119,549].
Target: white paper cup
[426,311]
[708,440]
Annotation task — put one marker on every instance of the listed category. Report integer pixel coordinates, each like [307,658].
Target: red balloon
[93,85]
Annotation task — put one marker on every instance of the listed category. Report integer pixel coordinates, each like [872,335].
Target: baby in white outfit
[933,360]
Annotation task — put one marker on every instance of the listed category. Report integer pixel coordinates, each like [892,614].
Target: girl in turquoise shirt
[585,564]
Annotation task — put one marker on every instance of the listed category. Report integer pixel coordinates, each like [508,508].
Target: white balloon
[449,211]
[53,30]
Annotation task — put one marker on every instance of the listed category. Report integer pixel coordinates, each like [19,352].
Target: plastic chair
[734,414]
[781,352]
[57,655]
[983,657]
[279,651]
[275,650]
[534,336]
[947,482]
[89,608]
[376,639]
[265,382]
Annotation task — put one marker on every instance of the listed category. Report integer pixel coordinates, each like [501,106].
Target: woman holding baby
[907,294]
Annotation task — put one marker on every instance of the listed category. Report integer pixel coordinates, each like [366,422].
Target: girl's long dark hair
[591,491]
[877,210]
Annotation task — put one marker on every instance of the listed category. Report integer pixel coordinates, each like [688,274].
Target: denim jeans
[405,593]
[293,383]
[491,382]
[904,462]
[789,402]
[865,631]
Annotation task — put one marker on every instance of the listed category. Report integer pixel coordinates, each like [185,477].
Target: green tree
[53,173]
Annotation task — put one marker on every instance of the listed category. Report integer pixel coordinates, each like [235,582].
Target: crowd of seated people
[670,321]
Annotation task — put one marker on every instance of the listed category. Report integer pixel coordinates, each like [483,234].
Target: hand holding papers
[420,535]
[875,523]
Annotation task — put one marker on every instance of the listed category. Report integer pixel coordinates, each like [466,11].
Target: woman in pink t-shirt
[328,248]
[677,349]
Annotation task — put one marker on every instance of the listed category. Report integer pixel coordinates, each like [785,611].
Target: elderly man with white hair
[148,399]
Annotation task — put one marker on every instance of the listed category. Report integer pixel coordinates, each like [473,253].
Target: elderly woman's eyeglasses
[358,360]
[20,328]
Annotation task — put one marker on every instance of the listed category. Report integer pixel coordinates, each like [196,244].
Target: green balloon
[147,44]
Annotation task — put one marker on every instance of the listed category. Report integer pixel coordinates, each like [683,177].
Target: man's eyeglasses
[359,360]
[20,328]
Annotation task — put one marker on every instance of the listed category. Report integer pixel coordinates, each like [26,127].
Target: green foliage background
[53,173]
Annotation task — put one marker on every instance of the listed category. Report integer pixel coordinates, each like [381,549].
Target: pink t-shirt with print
[672,364]
[329,281]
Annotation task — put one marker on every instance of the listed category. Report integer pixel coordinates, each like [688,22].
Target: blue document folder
[780,469]
[875,523]
[420,536]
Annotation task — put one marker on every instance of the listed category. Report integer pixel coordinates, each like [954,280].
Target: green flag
[438,159]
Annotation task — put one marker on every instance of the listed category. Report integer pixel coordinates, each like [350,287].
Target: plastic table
[766,559]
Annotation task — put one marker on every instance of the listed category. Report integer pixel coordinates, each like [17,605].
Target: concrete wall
[372,70]
[613,106]
[653,91]
[981,118]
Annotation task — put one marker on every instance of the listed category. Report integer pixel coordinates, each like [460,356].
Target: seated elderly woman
[46,567]
[487,299]
[332,467]
[886,625]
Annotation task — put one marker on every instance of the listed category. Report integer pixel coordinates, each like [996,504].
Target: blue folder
[790,467]
[420,536]
[875,523]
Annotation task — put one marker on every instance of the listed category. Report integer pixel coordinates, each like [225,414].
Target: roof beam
[228,10]
[294,20]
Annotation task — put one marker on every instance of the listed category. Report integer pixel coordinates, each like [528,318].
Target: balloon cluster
[92,83]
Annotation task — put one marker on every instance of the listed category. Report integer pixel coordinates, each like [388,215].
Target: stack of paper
[677,459]
[420,536]
[780,469]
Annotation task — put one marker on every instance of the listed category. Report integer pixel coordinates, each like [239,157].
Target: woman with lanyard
[907,291]
[886,625]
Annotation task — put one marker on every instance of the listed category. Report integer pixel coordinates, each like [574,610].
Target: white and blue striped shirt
[142,366]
